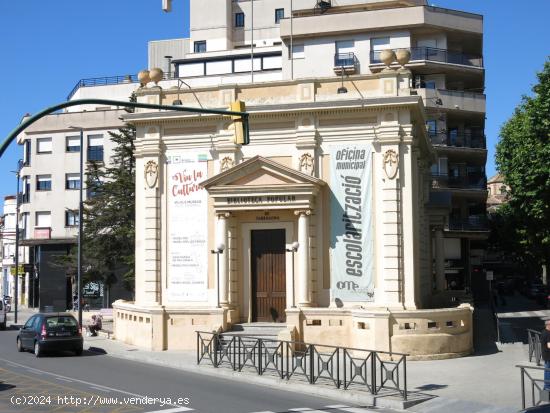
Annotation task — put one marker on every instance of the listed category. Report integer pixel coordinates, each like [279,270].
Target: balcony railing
[471,181]
[437,55]
[464,140]
[24,198]
[109,80]
[346,62]
[472,223]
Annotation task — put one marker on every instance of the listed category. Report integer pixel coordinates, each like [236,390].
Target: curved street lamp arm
[76,102]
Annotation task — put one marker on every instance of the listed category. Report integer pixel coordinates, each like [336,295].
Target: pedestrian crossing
[526,314]
[337,408]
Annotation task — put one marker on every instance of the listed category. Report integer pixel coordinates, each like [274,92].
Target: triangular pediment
[259,171]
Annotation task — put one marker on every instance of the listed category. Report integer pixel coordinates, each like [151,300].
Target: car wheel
[19,345]
[78,352]
[37,349]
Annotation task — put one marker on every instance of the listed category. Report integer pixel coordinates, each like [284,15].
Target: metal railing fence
[535,351]
[533,385]
[374,371]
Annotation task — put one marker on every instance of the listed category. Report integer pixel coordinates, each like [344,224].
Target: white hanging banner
[352,251]
[187,226]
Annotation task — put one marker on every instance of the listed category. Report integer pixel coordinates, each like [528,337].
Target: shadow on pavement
[428,387]
[6,386]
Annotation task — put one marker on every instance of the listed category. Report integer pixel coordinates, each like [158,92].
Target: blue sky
[47,46]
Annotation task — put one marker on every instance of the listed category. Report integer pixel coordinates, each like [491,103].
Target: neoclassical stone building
[355,216]
[346,177]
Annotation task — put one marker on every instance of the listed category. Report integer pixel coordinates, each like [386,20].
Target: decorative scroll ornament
[306,164]
[151,174]
[391,163]
[226,163]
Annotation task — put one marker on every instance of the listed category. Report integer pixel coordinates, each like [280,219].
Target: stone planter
[156,74]
[387,57]
[144,77]
[403,56]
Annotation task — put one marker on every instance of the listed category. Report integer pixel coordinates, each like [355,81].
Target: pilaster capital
[302,212]
[223,214]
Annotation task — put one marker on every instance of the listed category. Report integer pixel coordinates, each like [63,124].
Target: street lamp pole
[16,298]
[79,259]
[80,208]
[219,250]
[293,248]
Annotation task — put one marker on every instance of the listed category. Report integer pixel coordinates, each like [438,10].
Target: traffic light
[241,136]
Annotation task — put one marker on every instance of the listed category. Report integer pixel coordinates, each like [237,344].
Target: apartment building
[50,184]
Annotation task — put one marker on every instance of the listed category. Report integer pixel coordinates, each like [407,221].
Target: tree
[523,157]
[109,215]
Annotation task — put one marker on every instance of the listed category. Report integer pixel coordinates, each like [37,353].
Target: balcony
[24,198]
[432,54]
[471,223]
[453,99]
[462,140]
[345,63]
[471,181]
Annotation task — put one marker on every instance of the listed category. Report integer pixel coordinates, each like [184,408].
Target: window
[432,127]
[239,19]
[43,219]
[24,224]
[43,182]
[279,14]
[27,152]
[26,190]
[44,145]
[298,51]
[72,181]
[377,45]
[72,143]
[199,46]
[95,148]
[503,189]
[71,218]
[93,188]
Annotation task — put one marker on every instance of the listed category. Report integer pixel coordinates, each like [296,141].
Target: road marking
[306,409]
[348,409]
[64,379]
[35,372]
[100,389]
[182,409]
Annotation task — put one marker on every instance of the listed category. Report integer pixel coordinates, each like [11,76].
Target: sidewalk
[486,383]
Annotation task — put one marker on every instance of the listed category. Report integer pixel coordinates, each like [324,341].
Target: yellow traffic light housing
[241,136]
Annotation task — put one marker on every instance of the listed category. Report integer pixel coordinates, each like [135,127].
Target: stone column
[304,272]
[439,259]
[221,238]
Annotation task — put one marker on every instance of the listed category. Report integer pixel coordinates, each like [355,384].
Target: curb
[295,387]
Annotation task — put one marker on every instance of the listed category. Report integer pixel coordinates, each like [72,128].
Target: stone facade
[282,181]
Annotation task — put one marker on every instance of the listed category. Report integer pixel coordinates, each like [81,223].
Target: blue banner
[352,250]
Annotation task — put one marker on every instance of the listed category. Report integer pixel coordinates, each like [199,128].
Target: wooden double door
[268,275]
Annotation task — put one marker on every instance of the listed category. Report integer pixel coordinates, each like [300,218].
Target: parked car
[543,408]
[51,332]
[3,316]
